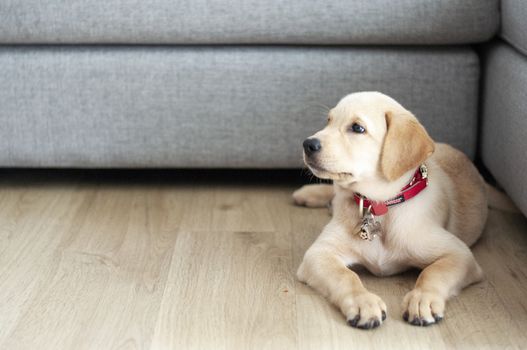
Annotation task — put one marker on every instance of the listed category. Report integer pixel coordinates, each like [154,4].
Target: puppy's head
[368,136]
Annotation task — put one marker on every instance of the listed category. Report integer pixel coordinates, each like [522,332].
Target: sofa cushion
[212,107]
[248,21]
[504,125]
[514,23]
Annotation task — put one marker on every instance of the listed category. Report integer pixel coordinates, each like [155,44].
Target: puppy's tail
[499,200]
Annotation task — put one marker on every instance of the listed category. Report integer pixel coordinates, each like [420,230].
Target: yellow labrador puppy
[399,201]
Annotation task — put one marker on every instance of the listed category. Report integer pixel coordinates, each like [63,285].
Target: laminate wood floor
[125,261]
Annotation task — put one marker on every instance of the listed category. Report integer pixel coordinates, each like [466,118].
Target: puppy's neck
[378,188]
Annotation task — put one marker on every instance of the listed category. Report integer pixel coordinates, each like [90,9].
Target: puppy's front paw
[423,308]
[364,310]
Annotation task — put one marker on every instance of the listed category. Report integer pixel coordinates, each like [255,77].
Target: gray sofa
[504,102]
[208,83]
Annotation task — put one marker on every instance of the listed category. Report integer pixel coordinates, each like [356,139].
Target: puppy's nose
[311,146]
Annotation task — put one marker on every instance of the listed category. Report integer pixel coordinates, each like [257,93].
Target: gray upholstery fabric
[514,23]
[211,107]
[248,21]
[504,138]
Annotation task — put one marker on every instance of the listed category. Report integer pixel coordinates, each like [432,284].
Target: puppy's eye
[357,128]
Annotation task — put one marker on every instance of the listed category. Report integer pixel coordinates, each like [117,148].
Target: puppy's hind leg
[314,196]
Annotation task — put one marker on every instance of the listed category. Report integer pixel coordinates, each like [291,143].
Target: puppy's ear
[406,145]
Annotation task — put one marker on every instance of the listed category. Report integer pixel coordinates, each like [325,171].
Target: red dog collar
[416,185]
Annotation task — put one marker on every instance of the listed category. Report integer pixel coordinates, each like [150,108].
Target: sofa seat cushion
[226,107]
[248,21]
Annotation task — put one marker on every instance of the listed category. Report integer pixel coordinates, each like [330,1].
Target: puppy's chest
[380,259]
[382,255]
[385,253]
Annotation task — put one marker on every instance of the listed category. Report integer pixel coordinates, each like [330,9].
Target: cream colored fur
[432,231]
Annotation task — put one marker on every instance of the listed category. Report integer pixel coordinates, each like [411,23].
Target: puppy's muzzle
[312,146]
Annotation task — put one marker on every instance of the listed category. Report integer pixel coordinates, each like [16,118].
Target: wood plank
[30,230]
[228,290]
[229,208]
[104,287]
[148,265]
